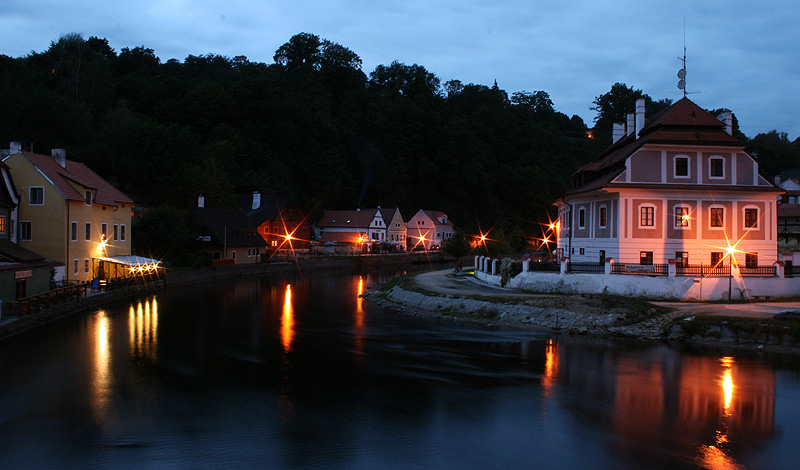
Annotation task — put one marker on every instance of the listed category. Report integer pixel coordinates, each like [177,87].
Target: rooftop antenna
[682,71]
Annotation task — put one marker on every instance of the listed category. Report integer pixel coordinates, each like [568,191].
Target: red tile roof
[79,173]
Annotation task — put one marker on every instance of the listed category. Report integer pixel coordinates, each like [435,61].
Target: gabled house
[67,213]
[396,232]
[277,216]
[362,229]
[428,228]
[675,186]
[789,209]
[228,234]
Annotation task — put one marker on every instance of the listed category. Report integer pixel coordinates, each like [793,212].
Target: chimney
[639,116]
[727,118]
[256,200]
[618,132]
[14,147]
[631,123]
[201,201]
[61,156]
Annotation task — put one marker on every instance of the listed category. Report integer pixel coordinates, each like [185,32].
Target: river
[298,371]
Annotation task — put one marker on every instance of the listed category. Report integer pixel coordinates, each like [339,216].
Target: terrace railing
[586,267]
[646,269]
[703,270]
[759,271]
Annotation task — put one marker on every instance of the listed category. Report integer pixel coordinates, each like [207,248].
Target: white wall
[651,287]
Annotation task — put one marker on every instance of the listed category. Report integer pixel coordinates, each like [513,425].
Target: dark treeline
[312,125]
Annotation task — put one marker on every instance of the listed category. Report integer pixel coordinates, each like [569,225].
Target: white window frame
[86,266]
[73,231]
[104,230]
[675,222]
[675,167]
[87,231]
[710,219]
[76,266]
[30,193]
[581,218]
[601,223]
[712,159]
[122,234]
[757,226]
[639,215]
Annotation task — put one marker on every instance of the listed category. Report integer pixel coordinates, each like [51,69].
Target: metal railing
[702,270]
[586,267]
[645,269]
[758,271]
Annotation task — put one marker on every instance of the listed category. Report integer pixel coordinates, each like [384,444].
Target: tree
[302,51]
[407,80]
[458,246]
[615,105]
[538,102]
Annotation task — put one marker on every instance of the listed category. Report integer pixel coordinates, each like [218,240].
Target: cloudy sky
[742,54]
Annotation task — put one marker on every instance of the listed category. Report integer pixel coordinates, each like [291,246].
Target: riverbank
[443,294]
[14,326]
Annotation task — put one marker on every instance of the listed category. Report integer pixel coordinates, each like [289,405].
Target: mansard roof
[681,124]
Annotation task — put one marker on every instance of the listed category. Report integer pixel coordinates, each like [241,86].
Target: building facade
[675,186]
[67,212]
[282,223]
[428,229]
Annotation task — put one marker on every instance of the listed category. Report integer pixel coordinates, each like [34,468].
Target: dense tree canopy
[312,125]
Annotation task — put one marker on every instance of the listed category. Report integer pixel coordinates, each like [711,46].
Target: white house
[675,186]
[428,228]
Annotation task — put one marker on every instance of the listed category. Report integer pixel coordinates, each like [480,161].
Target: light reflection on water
[308,372]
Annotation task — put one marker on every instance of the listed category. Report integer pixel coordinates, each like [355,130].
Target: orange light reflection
[287,320]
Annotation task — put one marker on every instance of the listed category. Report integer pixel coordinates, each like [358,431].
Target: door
[22,290]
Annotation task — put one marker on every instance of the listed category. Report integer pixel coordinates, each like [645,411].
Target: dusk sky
[742,55]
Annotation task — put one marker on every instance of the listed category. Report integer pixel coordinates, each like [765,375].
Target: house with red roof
[67,213]
[359,229]
[428,228]
[677,186]
[282,222]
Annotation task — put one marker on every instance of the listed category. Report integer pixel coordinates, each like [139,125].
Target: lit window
[2,224]
[647,216]
[603,215]
[681,216]
[717,217]
[76,266]
[751,260]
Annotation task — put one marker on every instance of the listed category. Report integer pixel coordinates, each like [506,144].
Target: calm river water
[297,371]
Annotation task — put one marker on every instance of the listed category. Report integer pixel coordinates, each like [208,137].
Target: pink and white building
[675,186]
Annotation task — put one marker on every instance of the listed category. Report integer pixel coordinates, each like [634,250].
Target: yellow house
[67,212]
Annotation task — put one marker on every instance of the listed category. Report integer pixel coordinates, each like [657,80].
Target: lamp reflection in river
[143,329]
[101,372]
[714,456]
[287,320]
[550,367]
